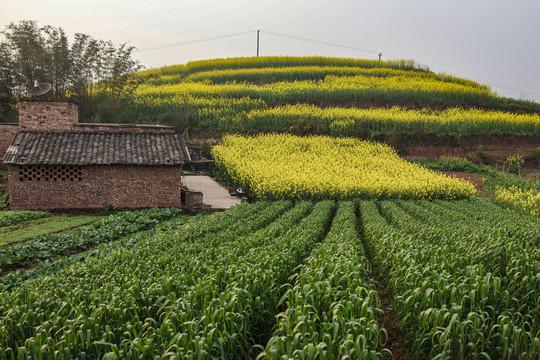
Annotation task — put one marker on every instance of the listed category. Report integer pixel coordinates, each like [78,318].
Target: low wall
[7,133]
[132,128]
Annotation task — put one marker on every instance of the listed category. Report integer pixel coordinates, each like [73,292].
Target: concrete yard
[214,194]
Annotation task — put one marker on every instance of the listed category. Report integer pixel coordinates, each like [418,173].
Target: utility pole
[258,42]
[380,55]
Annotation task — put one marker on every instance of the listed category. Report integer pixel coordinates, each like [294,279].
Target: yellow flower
[317,167]
[525,200]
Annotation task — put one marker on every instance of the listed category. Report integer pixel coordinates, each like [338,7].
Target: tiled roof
[96,148]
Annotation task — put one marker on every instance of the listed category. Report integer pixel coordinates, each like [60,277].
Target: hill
[333,96]
[350,252]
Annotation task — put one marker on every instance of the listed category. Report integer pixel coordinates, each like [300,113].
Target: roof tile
[96,148]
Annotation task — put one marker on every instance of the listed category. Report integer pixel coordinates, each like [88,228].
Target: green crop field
[350,252]
[43,226]
[276,280]
[17,217]
[46,244]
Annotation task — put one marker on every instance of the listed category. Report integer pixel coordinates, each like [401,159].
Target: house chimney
[47,114]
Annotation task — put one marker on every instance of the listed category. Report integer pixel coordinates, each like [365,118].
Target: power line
[197,41]
[388,55]
[487,82]
[322,43]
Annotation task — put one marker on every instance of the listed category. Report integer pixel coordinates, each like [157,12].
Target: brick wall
[7,133]
[192,197]
[37,114]
[47,114]
[122,187]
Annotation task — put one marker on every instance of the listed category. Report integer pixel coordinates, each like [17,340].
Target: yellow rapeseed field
[283,166]
[280,106]
[324,96]
[340,121]
[525,200]
[330,88]
[273,74]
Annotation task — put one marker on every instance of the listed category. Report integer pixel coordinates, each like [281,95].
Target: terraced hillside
[332,96]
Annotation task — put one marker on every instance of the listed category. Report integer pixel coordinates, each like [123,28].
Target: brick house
[56,163]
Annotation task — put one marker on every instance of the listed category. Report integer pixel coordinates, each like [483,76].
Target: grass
[25,231]
[507,190]
[492,176]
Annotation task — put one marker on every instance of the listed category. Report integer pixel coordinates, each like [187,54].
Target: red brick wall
[122,187]
[46,114]
[193,197]
[7,133]
[37,114]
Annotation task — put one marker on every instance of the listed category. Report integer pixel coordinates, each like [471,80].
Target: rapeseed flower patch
[515,198]
[338,121]
[283,166]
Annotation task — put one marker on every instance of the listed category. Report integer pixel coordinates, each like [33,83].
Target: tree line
[96,73]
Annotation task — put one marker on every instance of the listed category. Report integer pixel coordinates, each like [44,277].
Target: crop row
[108,278]
[242,114]
[352,122]
[49,267]
[241,310]
[218,95]
[358,90]
[14,217]
[184,109]
[219,304]
[302,73]
[202,105]
[464,274]
[160,290]
[331,311]
[113,227]
[278,62]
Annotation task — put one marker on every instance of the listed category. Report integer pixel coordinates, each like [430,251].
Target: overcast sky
[491,41]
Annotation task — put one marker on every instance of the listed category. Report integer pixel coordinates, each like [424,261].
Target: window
[49,173]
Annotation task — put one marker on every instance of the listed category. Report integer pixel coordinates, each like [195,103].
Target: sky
[491,41]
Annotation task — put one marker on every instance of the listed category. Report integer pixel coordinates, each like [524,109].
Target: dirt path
[475,179]
[395,342]
[387,320]
[214,194]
